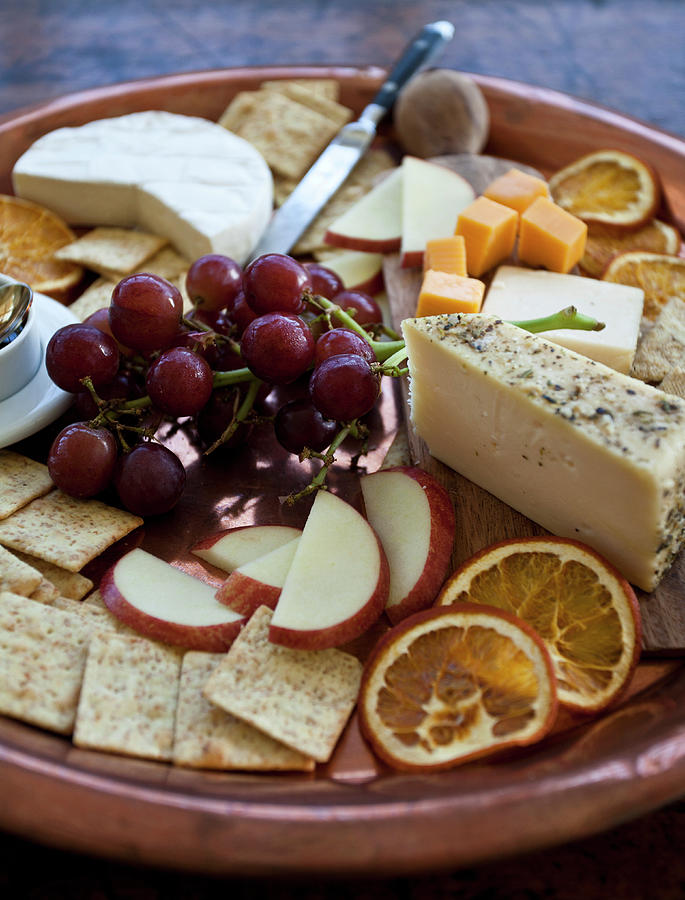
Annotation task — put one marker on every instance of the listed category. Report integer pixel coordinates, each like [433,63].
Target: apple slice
[432,198]
[258,582]
[229,549]
[338,582]
[374,222]
[166,604]
[414,518]
[357,270]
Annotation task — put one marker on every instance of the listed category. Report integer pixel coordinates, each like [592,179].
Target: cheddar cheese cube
[551,237]
[516,189]
[445,292]
[446,255]
[489,232]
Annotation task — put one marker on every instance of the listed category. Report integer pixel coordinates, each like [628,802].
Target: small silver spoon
[15,302]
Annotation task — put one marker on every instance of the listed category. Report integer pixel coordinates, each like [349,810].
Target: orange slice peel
[582,608]
[660,275]
[604,243]
[452,684]
[608,186]
[29,236]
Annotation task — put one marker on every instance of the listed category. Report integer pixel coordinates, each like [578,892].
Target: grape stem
[241,413]
[568,318]
[234,376]
[382,349]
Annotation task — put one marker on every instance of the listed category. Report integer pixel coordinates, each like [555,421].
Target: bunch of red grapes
[141,360]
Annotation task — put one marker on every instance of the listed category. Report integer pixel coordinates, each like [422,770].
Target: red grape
[344,387]
[361,306]
[274,282]
[145,312]
[342,340]
[298,424]
[278,347]
[218,414]
[82,459]
[100,320]
[78,350]
[124,386]
[325,281]
[242,314]
[179,382]
[150,479]
[214,281]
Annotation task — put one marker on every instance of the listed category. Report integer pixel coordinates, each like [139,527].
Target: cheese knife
[346,149]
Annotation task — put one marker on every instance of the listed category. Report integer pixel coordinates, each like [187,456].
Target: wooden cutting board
[482,519]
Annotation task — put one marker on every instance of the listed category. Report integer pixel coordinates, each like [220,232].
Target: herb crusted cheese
[583,450]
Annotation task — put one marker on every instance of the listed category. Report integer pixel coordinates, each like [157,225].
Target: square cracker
[21,480]
[300,697]
[42,658]
[64,530]
[332,110]
[209,738]
[663,347]
[288,134]
[16,575]
[112,251]
[674,382]
[96,296]
[128,699]
[68,584]
[322,87]
[46,592]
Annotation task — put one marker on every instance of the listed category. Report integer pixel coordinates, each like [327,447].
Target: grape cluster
[141,360]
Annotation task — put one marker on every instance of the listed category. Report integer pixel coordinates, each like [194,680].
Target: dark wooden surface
[621,53]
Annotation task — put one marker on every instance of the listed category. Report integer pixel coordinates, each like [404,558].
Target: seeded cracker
[64,530]
[332,110]
[21,480]
[128,698]
[68,584]
[663,347]
[42,658]
[288,134]
[96,296]
[674,382]
[322,87]
[46,592]
[300,697]
[17,576]
[209,738]
[112,251]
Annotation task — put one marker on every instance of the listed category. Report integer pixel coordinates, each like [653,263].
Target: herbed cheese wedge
[183,177]
[585,451]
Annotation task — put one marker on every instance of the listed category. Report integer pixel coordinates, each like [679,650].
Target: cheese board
[587,776]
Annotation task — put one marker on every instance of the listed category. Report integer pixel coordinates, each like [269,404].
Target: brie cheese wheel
[518,294]
[583,450]
[182,177]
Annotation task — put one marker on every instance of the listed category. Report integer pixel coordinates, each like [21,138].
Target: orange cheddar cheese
[489,232]
[551,237]
[446,255]
[445,292]
[516,189]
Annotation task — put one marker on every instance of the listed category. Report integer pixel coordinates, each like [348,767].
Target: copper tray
[352,816]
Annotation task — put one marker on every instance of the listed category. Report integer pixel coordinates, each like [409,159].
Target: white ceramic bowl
[21,358]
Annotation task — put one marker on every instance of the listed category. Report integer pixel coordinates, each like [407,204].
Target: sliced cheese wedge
[182,177]
[585,451]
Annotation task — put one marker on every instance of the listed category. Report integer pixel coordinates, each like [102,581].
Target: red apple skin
[368,245]
[244,594]
[208,542]
[411,259]
[443,531]
[341,632]
[210,638]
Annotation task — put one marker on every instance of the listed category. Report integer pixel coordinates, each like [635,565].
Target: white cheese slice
[516,294]
[183,177]
[585,451]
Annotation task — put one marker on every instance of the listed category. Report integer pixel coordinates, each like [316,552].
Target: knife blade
[340,157]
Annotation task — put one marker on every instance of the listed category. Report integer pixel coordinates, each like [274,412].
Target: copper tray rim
[650,775]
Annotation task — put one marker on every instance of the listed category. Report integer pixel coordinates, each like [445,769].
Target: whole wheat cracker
[68,584]
[300,697]
[207,737]
[42,658]
[21,480]
[331,109]
[16,575]
[128,698]
[112,251]
[322,87]
[663,347]
[46,592]
[96,296]
[674,382]
[64,530]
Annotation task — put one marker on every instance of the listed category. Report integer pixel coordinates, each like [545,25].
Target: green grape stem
[568,318]
[241,414]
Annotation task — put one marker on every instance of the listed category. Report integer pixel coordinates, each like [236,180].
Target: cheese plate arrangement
[505,526]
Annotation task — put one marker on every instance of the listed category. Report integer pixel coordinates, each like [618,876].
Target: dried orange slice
[451,684]
[660,276]
[29,235]
[582,608]
[607,186]
[604,243]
